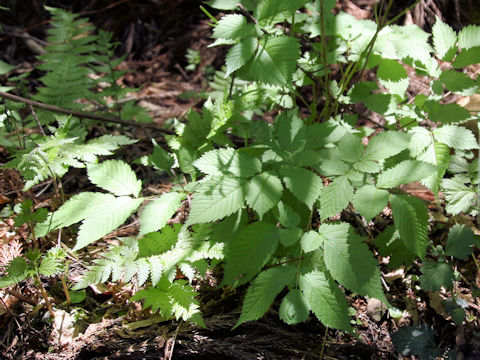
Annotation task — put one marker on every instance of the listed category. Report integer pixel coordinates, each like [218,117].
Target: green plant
[284,204]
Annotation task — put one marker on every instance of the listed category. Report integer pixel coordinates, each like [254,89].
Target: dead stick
[78,113]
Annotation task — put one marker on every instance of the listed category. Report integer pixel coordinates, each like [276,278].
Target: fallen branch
[79,114]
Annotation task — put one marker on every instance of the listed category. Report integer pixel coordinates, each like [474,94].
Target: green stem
[210,16]
[324,57]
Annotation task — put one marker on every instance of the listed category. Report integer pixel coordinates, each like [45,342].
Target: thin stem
[79,114]
[230,91]
[45,297]
[16,130]
[324,55]
[324,342]
[34,114]
[210,16]
[292,29]
[65,290]
[391,21]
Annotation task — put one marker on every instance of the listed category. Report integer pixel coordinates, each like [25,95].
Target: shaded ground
[156,36]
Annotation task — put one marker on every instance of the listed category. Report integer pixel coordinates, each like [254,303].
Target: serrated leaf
[335,197]
[467,57]
[393,76]
[263,192]
[264,290]
[444,40]
[469,37]
[326,300]
[233,26]
[218,198]
[439,155]
[458,196]
[390,244]
[456,137]
[115,176]
[156,243]
[411,220]
[369,201]
[160,158]
[368,166]
[386,144]
[248,251]
[239,54]
[304,184]
[291,131]
[350,148]
[5,68]
[74,210]
[418,341]
[405,172]
[223,4]
[156,214]
[158,299]
[294,308]
[228,162]
[16,272]
[275,61]
[289,237]
[104,218]
[269,8]
[446,113]
[458,82]
[156,269]
[435,275]
[460,241]
[344,253]
[286,215]
[311,241]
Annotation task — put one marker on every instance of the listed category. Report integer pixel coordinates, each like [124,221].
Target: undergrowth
[287,207]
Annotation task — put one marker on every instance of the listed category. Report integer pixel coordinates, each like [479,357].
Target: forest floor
[106,325]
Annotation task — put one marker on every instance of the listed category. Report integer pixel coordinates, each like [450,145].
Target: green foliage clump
[272,201]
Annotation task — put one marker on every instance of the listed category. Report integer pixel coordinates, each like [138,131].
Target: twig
[245,13]
[34,114]
[21,297]
[79,113]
